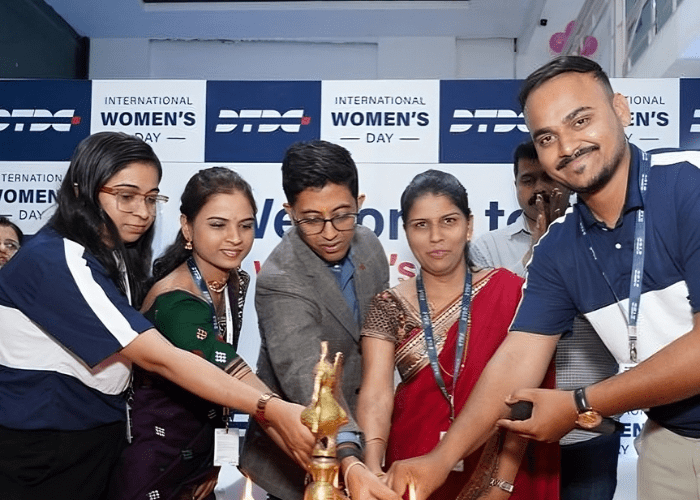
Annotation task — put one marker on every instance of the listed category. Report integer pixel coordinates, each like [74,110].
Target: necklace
[199,281]
[216,286]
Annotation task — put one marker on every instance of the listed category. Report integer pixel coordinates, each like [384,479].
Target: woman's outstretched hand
[362,484]
[288,432]
[426,473]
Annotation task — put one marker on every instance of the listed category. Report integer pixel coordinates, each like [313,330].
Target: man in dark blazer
[315,286]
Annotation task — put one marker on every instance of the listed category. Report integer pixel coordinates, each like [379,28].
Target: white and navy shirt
[62,323]
[563,278]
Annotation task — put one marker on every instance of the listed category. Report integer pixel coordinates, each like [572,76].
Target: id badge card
[129,424]
[225,447]
[459,466]
[623,367]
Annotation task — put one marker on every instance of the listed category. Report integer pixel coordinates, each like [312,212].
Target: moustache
[579,152]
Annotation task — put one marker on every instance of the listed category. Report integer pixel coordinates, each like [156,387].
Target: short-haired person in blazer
[315,286]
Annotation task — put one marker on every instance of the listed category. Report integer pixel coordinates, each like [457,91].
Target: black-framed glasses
[315,225]
[129,201]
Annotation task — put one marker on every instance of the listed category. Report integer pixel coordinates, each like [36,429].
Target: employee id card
[226,447]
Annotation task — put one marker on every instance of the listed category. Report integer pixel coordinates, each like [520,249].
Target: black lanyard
[199,281]
[637,260]
[430,340]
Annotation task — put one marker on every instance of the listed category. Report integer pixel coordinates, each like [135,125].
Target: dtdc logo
[250,121]
[689,120]
[39,120]
[261,120]
[695,127]
[498,120]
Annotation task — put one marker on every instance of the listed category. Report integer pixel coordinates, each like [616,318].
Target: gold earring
[188,245]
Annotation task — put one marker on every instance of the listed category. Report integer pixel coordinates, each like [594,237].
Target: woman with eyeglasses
[11,238]
[70,329]
[197,304]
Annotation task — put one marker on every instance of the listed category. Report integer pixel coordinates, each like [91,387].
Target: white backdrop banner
[394,129]
[383,121]
[169,115]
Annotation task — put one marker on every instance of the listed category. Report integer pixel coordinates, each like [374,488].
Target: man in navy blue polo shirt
[627,256]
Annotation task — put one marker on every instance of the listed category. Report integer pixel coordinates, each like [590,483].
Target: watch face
[589,419]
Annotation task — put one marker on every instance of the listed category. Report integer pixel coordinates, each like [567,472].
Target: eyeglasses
[11,245]
[315,225]
[129,201]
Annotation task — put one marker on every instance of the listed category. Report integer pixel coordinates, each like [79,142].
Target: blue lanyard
[199,281]
[637,260]
[430,340]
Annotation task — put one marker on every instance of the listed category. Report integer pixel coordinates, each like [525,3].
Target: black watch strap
[581,401]
[522,410]
[607,426]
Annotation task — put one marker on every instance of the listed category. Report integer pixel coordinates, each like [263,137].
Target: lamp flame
[411,491]
[248,494]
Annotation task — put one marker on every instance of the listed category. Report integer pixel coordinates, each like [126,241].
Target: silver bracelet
[502,484]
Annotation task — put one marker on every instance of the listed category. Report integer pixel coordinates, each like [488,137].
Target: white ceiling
[315,20]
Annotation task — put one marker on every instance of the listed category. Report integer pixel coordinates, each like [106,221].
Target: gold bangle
[380,474]
[347,470]
[261,406]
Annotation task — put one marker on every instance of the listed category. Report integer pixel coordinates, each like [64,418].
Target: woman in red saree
[409,422]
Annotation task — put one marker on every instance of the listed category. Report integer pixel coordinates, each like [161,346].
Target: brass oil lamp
[324,416]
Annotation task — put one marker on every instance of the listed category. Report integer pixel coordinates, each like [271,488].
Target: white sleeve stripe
[671,157]
[95,296]
[31,348]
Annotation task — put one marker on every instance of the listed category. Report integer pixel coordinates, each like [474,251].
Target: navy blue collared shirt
[343,272]
[563,277]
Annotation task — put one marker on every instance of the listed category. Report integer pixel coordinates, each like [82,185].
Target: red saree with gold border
[421,412]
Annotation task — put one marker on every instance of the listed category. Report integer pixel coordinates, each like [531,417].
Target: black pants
[56,465]
[589,468]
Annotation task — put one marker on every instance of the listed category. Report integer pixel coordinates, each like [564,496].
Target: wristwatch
[262,404]
[588,418]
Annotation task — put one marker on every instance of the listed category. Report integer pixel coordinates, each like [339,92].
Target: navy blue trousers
[589,469]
